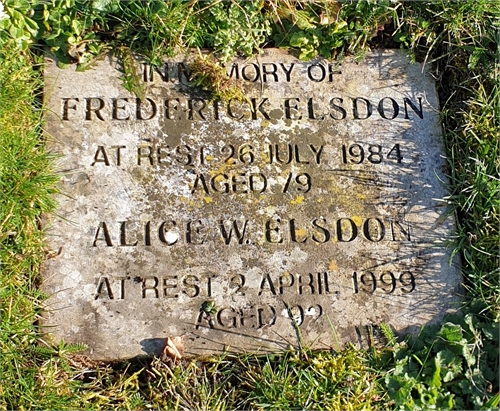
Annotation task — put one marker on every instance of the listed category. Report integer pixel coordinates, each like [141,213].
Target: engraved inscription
[308,209]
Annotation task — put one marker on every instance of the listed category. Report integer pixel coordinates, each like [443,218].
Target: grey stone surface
[310,212]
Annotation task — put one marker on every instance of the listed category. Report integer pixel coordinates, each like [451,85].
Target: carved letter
[297,156]
[235,70]
[147,233]
[194,107]
[240,235]
[172,112]
[239,186]
[324,232]
[337,108]
[118,154]
[333,69]
[256,75]
[191,282]
[189,232]
[170,283]
[252,182]
[231,318]
[322,73]
[182,71]
[146,287]
[219,183]
[340,225]
[310,110]
[269,287]
[200,179]
[66,107]
[230,110]
[114,114]
[286,281]
[259,108]
[90,109]
[395,108]
[168,237]
[262,320]
[287,71]
[139,109]
[403,231]
[269,238]
[104,283]
[323,285]
[419,112]
[356,111]
[123,236]
[309,284]
[293,232]
[290,154]
[317,152]
[289,107]
[272,72]
[102,151]
[368,232]
[148,155]
[105,232]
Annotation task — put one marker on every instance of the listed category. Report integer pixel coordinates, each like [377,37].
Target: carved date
[386,282]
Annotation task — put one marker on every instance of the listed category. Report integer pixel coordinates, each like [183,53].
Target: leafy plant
[67,27]
[453,368]
[315,28]
[17,21]
[234,26]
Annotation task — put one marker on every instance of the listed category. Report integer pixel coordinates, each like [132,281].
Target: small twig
[207,7]
[184,23]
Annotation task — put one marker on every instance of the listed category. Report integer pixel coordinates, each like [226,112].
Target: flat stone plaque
[308,213]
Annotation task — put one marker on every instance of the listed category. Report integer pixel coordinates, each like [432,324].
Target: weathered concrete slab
[311,209]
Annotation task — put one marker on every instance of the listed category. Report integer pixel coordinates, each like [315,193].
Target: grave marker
[309,211]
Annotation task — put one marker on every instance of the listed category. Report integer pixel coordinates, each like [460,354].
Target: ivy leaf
[466,352]
[303,20]
[490,331]
[31,26]
[325,50]
[435,380]
[299,39]
[341,26]
[400,368]
[400,38]
[451,332]
[449,363]
[104,5]
[403,398]
[307,53]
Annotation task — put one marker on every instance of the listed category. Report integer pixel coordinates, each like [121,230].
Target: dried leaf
[323,18]
[174,348]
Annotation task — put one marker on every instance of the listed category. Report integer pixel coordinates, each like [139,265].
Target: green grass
[314,380]
[450,366]
[467,63]
[27,183]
